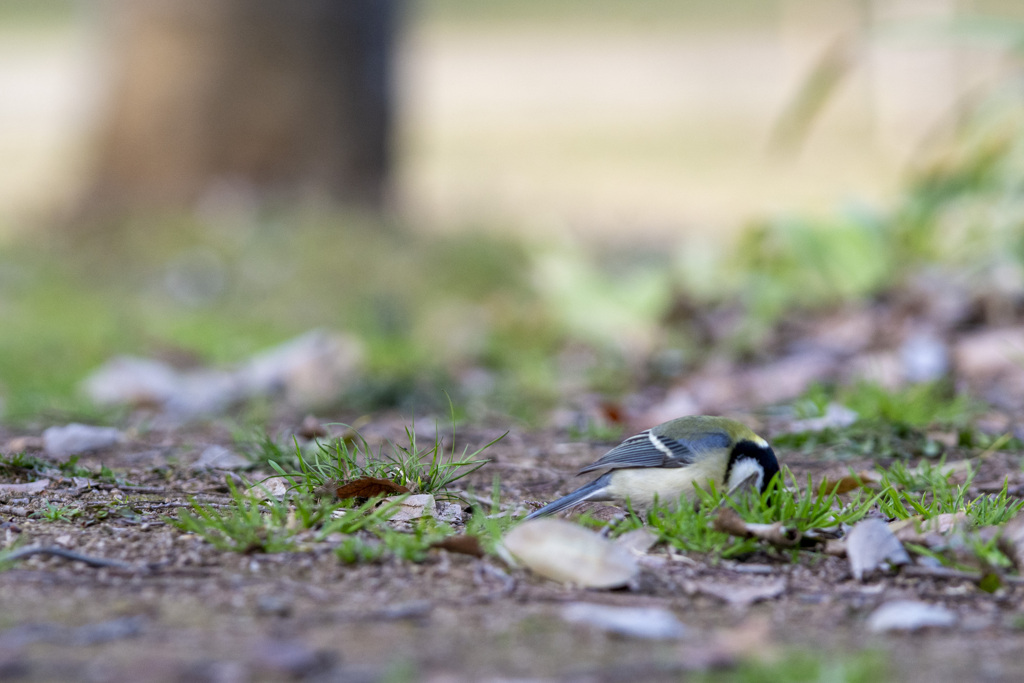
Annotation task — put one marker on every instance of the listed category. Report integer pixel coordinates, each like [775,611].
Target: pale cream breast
[641,485]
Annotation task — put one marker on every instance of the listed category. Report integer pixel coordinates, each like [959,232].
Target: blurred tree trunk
[285,99]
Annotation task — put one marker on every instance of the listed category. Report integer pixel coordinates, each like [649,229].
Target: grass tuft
[422,469]
[253,525]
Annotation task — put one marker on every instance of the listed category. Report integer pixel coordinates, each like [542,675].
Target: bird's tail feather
[592,491]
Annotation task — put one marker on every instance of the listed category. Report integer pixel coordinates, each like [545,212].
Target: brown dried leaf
[463,544]
[730,522]
[369,487]
[852,482]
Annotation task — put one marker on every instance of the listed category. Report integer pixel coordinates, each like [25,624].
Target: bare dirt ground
[182,610]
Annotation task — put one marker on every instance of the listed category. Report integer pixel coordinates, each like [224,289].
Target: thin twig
[155,505]
[481,500]
[939,573]
[134,489]
[947,573]
[67,555]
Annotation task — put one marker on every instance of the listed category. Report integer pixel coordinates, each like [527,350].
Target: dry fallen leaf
[638,541]
[31,487]
[870,544]
[1011,541]
[463,544]
[276,487]
[646,623]
[569,553]
[909,615]
[922,531]
[369,487]
[730,522]
[412,507]
[741,594]
[851,482]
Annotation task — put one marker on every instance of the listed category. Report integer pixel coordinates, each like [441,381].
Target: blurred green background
[567,177]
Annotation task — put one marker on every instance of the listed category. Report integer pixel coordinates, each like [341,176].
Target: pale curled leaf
[836,416]
[870,544]
[638,541]
[63,441]
[31,487]
[909,615]
[1011,541]
[271,487]
[566,552]
[413,507]
[922,531]
[648,623]
[741,594]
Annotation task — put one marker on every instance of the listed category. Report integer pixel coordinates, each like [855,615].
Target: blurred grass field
[582,162]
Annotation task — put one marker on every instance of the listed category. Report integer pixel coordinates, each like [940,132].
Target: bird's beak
[742,486]
[746,484]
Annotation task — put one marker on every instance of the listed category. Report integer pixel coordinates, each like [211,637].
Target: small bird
[668,461]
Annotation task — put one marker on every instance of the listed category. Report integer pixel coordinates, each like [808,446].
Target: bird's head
[751,460]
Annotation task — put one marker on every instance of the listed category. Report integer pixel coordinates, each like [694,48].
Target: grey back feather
[647,450]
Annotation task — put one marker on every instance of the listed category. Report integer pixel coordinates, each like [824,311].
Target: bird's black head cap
[761,453]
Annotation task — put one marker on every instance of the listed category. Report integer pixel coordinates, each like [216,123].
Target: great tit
[668,461]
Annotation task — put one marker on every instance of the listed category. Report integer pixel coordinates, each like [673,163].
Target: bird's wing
[651,450]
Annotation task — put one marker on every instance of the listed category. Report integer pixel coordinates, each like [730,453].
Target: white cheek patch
[744,469]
